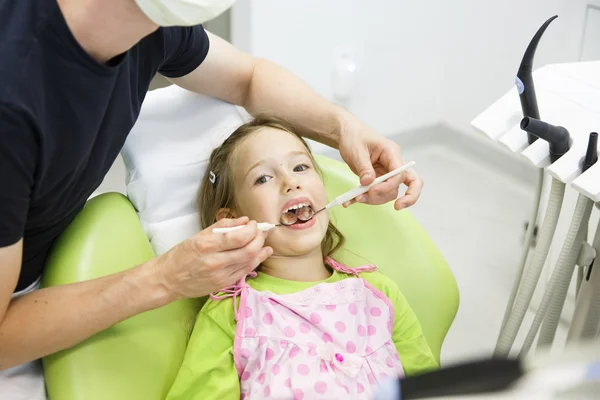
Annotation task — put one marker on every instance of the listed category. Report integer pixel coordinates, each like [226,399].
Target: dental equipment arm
[349,195]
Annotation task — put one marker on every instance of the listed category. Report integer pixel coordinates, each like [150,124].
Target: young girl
[303,326]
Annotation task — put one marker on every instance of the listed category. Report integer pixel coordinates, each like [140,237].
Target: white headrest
[166,155]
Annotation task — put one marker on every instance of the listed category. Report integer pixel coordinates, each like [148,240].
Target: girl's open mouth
[298,215]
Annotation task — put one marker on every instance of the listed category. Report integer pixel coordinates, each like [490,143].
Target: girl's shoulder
[368,272]
[220,312]
[381,282]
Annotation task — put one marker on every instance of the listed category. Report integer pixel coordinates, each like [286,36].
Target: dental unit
[529,107]
[555,295]
[304,212]
[568,95]
[556,137]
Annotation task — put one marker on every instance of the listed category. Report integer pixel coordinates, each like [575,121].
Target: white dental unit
[568,95]
[551,119]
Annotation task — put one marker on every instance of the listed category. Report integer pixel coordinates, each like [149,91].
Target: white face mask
[183,12]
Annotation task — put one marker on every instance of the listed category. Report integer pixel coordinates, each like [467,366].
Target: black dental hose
[524,79]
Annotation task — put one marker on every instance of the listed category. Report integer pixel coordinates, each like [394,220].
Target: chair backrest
[139,358]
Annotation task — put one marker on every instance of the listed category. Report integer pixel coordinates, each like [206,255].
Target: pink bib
[332,340]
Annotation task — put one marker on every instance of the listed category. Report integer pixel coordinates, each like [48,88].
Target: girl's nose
[291,183]
[290,188]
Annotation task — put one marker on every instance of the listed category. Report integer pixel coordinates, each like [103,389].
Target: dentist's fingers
[253,253]
[236,272]
[415,185]
[207,262]
[381,193]
[231,240]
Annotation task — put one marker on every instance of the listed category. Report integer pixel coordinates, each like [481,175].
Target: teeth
[297,206]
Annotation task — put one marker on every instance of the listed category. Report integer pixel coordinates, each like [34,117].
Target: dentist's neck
[106,28]
[305,268]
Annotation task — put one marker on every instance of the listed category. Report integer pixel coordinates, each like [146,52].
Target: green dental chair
[140,357]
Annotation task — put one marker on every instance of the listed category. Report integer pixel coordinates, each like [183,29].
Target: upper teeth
[297,206]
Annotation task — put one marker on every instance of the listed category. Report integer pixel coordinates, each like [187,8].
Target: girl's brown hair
[217,195]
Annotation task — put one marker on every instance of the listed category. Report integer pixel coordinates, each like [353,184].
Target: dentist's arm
[261,86]
[49,320]
[52,319]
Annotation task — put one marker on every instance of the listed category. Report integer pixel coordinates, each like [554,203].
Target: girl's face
[274,172]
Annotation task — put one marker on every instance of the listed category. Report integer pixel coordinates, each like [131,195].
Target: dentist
[73,76]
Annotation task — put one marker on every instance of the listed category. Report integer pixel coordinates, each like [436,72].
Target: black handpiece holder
[557,136]
[591,155]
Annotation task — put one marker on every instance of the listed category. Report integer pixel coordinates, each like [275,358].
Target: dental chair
[139,358]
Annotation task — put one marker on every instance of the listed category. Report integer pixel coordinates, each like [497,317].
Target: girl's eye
[262,179]
[301,167]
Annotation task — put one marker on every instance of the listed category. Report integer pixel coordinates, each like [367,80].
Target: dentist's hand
[208,262]
[370,155]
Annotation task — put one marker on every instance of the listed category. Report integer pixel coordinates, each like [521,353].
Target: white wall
[420,62]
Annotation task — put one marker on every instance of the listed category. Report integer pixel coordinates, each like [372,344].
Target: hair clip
[212,177]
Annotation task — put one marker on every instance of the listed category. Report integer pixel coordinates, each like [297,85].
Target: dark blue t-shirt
[64,117]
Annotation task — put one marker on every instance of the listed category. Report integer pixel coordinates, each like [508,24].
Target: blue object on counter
[389,390]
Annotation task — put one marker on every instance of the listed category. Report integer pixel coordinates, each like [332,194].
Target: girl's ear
[225,213]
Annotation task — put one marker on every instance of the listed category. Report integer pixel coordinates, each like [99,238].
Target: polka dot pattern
[298,394]
[340,327]
[245,353]
[294,351]
[320,387]
[289,331]
[304,327]
[375,311]
[315,318]
[267,319]
[303,369]
[285,337]
[350,347]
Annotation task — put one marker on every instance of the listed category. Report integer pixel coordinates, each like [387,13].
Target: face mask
[182,12]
